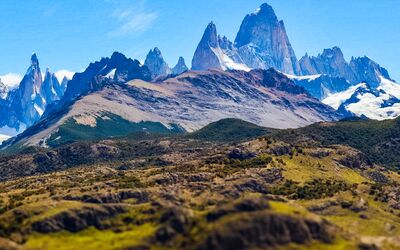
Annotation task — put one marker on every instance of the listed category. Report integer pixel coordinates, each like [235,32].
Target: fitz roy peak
[261,43]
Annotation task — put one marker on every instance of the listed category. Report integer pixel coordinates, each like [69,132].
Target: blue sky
[70,34]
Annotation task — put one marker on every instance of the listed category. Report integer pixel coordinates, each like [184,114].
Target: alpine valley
[248,147]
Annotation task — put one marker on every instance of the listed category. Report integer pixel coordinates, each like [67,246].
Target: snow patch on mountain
[301,78]
[111,74]
[335,100]
[361,100]
[228,63]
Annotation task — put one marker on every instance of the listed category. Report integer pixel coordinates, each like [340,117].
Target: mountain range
[256,78]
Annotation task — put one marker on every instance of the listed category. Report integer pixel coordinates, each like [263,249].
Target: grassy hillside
[110,127]
[378,140]
[229,130]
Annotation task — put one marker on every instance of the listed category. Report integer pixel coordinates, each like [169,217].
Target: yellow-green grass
[303,168]
[91,239]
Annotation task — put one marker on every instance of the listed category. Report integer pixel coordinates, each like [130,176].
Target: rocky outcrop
[180,67]
[156,64]
[76,220]
[262,42]
[264,230]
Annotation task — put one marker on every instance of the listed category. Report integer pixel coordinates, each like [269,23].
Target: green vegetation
[312,189]
[378,140]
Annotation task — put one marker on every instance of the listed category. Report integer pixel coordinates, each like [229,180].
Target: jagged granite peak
[366,70]
[204,57]
[262,42]
[180,67]
[156,63]
[216,52]
[25,104]
[330,62]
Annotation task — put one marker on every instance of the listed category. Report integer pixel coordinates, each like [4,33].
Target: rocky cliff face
[180,67]
[156,63]
[262,42]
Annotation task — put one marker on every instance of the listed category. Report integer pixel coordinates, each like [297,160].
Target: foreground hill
[183,103]
[378,140]
[182,193]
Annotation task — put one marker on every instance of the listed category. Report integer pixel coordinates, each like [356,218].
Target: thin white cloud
[133,19]
[11,80]
[64,73]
